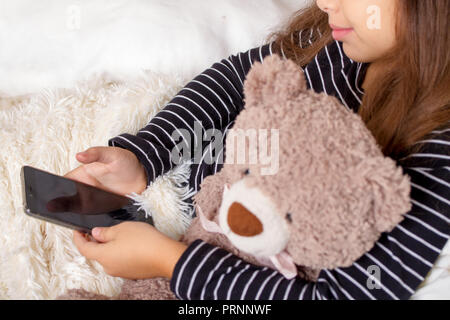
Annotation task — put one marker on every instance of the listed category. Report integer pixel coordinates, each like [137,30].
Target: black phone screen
[74,204]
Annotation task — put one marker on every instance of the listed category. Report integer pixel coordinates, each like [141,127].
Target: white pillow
[50,43]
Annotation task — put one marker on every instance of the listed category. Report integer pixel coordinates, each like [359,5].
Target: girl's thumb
[84,157]
[90,155]
[96,169]
[102,234]
[96,154]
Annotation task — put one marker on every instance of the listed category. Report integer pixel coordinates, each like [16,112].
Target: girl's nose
[327,5]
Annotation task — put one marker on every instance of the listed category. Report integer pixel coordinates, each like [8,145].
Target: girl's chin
[353,52]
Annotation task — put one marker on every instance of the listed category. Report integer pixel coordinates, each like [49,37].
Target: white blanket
[53,43]
[38,260]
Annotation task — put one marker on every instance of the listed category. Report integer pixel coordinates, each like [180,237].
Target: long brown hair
[410,97]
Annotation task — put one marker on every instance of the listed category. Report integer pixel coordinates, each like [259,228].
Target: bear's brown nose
[243,222]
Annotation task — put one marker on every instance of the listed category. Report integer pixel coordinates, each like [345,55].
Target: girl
[389,62]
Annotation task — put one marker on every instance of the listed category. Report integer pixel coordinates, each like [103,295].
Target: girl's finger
[89,249]
[79,239]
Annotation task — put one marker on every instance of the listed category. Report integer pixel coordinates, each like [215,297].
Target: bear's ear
[275,80]
[390,192]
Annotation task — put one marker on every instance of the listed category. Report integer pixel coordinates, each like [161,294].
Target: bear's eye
[247,172]
[289,217]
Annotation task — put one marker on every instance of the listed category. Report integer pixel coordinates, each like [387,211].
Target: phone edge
[28,212]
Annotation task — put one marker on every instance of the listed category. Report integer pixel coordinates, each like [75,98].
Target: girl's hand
[112,169]
[131,250]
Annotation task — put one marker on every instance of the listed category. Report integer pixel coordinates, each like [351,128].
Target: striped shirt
[392,269]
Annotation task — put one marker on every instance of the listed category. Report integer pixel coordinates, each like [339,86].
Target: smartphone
[74,204]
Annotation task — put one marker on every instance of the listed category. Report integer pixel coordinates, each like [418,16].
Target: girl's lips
[339,33]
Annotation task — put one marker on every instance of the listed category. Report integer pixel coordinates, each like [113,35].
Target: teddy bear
[311,191]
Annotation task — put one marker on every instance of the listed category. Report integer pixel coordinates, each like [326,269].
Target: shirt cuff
[182,283]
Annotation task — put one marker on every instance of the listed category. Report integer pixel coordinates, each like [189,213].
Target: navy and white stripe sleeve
[402,257]
[213,99]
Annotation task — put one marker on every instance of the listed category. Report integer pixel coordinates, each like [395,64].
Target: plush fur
[332,196]
[38,260]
